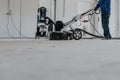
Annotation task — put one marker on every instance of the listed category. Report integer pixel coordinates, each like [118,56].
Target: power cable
[90,33]
[89,18]
[14,25]
[9,17]
[8,27]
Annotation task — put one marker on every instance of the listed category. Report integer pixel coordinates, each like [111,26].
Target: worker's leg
[105,25]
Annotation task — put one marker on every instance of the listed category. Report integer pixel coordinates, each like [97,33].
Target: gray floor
[60,60]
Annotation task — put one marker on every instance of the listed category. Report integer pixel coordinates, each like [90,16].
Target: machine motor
[41,26]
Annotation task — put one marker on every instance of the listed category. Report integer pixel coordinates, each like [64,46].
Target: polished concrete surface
[86,59]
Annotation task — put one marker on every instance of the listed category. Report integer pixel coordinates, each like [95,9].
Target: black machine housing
[57,34]
[41,26]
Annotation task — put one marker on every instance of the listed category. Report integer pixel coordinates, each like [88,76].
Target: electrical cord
[8,27]
[90,33]
[16,27]
[89,18]
[9,17]
[8,32]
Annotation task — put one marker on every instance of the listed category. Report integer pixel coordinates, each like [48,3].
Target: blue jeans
[105,25]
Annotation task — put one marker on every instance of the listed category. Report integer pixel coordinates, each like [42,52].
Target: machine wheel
[77,34]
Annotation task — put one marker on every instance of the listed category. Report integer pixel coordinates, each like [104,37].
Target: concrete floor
[60,60]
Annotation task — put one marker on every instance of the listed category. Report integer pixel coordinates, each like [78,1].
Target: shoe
[108,37]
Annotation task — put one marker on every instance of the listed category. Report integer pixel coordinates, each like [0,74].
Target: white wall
[70,8]
[114,19]
[66,9]
[28,17]
[22,20]
[3,18]
[119,17]
[14,25]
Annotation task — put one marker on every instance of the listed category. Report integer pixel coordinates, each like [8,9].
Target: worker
[105,7]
